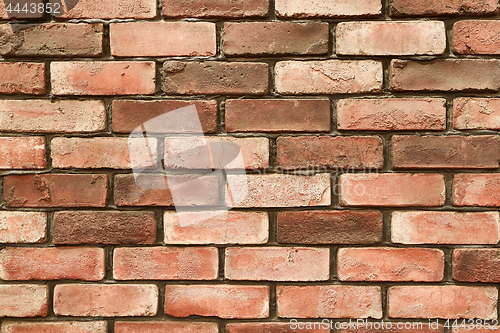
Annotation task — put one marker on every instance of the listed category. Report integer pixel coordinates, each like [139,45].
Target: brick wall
[369,135]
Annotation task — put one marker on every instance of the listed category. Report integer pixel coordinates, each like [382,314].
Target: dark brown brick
[104,227]
[330,227]
[442,7]
[476,265]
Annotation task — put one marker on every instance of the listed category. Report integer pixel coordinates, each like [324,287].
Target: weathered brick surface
[214,78]
[420,227]
[56,190]
[440,8]
[58,264]
[103,78]
[476,190]
[328,8]
[391,114]
[391,38]
[476,265]
[445,75]
[274,38]
[55,327]
[100,300]
[476,113]
[223,301]
[102,227]
[14,15]
[24,300]
[43,116]
[448,302]
[330,227]
[165,326]
[390,264]
[162,39]
[106,9]
[22,78]
[312,302]
[217,8]
[328,77]
[23,227]
[327,151]
[278,115]
[52,40]
[22,153]
[476,37]
[272,328]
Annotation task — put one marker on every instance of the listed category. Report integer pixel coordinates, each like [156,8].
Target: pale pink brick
[55,327]
[391,38]
[108,9]
[277,264]
[22,153]
[392,114]
[328,77]
[162,39]
[216,227]
[327,8]
[331,301]
[445,227]
[23,227]
[274,190]
[476,113]
[23,300]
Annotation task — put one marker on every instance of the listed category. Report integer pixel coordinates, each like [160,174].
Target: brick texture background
[369,133]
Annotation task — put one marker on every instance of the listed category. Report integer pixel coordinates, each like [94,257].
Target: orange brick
[162,39]
[22,153]
[165,326]
[223,301]
[476,190]
[105,300]
[17,263]
[390,264]
[277,264]
[103,78]
[318,301]
[165,263]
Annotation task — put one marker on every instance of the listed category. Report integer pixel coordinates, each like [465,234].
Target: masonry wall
[369,135]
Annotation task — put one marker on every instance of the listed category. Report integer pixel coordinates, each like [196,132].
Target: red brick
[190,190]
[130,114]
[476,113]
[165,326]
[327,8]
[457,152]
[105,300]
[103,78]
[162,39]
[275,38]
[13,15]
[223,301]
[390,264]
[392,114]
[55,327]
[476,265]
[448,302]
[440,8]
[23,227]
[22,153]
[476,190]
[56,190]
[218,8]
[330,152]
[445,227]
[330,227]
[165,263]
[43,116]
[22,78]
[216,227]
[215,78]
[332,301]
[391,38]
[278,115]
[396,190]
[445,75]
[277,264]
[95,153]
[276,190]
[328,77]
[23,300]
[198,152]
[476,37]
[52,40]
[108,9]
[104,227]
[272,328]
[18,263]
